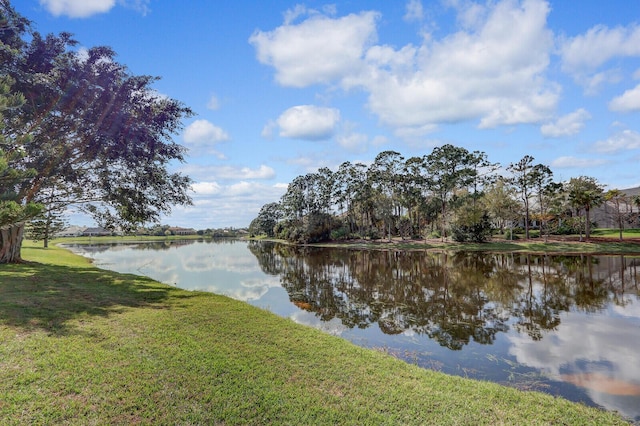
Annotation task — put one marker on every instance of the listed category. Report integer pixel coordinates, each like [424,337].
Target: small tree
[471,223]
[267,219]
[45,226]
[500,203]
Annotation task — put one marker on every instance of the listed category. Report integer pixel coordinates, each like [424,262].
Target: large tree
[449,168]
[585,193]
[522,180]
[500,202]
[13,214]
[386,175]
[97,136]
[620,214]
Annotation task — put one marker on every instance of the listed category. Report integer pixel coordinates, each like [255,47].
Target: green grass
[614,233]
[85,346]
[517,246]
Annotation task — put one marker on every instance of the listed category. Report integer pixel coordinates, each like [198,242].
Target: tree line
[78,129]
[450,192]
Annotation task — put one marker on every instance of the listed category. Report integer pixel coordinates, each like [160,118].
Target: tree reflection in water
[452,298]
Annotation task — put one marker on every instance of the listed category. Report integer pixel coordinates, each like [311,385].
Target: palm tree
[585,193]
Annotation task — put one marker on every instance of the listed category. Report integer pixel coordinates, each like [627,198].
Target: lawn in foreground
[84,346]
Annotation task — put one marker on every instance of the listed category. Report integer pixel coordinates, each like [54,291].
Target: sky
[282,88]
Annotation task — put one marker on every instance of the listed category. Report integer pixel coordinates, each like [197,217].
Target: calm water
[566,325]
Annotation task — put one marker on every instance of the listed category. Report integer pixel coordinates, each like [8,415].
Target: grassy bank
[84,346]
[518,246]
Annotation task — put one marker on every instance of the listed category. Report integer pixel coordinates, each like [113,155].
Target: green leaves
[12,212]
[100,137]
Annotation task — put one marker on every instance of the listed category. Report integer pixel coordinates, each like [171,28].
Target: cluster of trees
[449,192]
[160,230]
[77,128]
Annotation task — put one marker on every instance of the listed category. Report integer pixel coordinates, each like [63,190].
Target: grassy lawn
[85,346]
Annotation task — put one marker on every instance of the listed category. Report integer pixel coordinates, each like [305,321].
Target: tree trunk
[11,243]
[587,225]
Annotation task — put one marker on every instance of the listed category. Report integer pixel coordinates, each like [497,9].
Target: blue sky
[282,88]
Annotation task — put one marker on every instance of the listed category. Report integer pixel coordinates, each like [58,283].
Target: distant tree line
[450,192]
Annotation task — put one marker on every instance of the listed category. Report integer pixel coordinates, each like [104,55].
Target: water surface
[565,325]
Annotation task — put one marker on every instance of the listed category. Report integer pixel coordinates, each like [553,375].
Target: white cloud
[492,72]
[598,45]
[77,8]
[318,50]
[470,14]
[206,188]
[573,162]
[87,8]
[415,11]
[218,205]
[585,55]
[628,101]
[308,122]
[227,172]
[593,82]
[353,142]
[203,132]
[566,125]
[242,188]
[624,140]
[214,103]
[268,129]
[141,6]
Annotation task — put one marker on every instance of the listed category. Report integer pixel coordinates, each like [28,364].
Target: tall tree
[93,127]
[541,178]
[449,168]
[522,180]
[484,173]
[386,175]
[585,193]
[618,198]
[13,213]
[415,191]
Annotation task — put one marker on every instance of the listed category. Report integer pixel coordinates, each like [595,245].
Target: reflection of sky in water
[586,358]
[228,269]
[593,353]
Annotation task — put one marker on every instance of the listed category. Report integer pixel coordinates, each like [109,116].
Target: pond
[565,325]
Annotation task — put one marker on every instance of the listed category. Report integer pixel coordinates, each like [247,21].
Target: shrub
[341,233]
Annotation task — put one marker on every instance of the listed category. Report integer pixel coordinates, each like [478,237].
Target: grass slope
[85,346]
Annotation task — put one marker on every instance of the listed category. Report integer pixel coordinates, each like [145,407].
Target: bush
[373,233]
[435,234]
[474,233]
[341,233]
[508,235]
[314,228]
[471,225]
[319,227]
